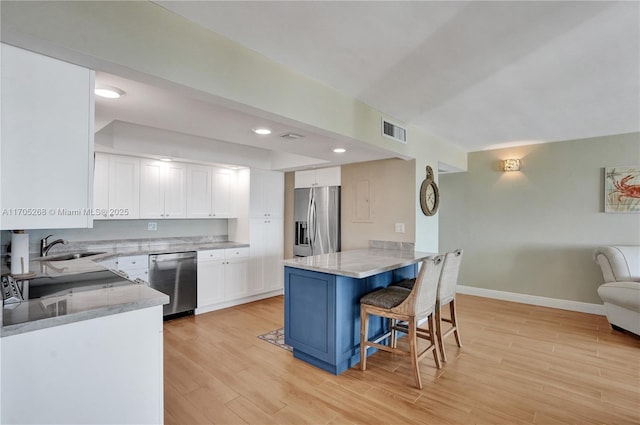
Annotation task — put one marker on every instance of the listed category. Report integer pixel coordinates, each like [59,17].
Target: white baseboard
[226,304]
[533,299]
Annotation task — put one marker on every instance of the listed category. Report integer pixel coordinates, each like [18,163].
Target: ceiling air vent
[394,131]
[292,136]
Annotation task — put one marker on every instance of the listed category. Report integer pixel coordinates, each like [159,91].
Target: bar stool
[399,304]
[446,295]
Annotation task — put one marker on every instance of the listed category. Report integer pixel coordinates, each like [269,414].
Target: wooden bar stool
[410,306]
[447,295]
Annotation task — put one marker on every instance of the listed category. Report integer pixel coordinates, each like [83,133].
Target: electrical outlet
[399,227]
[152,226]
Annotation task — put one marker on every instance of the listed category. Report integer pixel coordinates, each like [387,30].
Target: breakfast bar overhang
[322,301]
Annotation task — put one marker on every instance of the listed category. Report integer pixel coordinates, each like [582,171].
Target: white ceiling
[163,108]
[479,74]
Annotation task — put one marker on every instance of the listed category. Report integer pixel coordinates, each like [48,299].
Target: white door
[210,282]
[257,241]
[124,187]
[274,194]
[47,141]
[221,199]
[175,190]
[151,189]
[236,278]
[199,178]
[272,260]
[101,184]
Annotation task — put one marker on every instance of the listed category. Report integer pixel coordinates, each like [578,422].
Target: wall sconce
[511,165]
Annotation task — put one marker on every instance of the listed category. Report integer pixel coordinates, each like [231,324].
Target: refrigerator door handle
[311,226]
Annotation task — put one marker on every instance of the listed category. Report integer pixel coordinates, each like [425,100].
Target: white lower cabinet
[223,277]
[267,246]
[103,370]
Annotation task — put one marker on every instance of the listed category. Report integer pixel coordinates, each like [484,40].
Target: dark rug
[276,337]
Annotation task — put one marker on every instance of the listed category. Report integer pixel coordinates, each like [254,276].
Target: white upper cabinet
[266,194]
[222,204]
[124,187]
[209,192]
[163,189]
[320,177]
[116,187]
[47,142]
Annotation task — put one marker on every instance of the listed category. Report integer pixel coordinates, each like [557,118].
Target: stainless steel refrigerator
[316,215]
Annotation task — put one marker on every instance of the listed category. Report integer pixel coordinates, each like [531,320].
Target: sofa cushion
[623,294]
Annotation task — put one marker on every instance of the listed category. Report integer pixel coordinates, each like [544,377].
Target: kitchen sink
[70,256]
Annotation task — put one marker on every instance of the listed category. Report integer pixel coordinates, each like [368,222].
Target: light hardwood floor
[518,364]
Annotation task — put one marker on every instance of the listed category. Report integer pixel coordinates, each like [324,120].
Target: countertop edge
[50,322]
[400,262]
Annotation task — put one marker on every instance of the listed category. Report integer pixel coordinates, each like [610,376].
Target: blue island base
[322,315]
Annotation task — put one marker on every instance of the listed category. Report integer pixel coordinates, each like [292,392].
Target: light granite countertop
[79,305]
[359,263]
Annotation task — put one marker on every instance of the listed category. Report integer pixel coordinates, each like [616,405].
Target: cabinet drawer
[211,254]
[134,261]
[236,253]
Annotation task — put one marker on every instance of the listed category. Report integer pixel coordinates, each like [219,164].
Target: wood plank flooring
[518,364]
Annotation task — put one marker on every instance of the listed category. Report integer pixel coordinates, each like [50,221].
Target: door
[175,275]
[101,184]
[301,200]
[210,282]
[124,186]
[325,220]
[236,278]
[221,199]
[151,189]
[198,191]
[175,190]
[272,259]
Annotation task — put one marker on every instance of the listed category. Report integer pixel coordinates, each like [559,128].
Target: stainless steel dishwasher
[175,275]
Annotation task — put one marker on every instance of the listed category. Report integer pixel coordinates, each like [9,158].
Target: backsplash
[134,231]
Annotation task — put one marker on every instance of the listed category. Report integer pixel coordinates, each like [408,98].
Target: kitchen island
[322,301]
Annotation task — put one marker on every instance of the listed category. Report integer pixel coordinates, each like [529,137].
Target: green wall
[534,231]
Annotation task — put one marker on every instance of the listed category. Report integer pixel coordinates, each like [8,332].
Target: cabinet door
[328,176]
[236,278]
[274,194]
[266,194]
[47,141]
[257,241]
[305,179]
[175,190]
[124,186]
[221,202]
[272,259]
[210,282]
[199,191]
[256,193]
[151,189]
[101,184]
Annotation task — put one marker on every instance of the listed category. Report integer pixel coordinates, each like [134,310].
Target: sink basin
[70,256]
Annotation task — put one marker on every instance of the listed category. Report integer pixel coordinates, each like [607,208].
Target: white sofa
[621,291]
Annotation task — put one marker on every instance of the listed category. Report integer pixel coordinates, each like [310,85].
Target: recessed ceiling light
[339,150]
[109,92]
[166,159]
[262,130]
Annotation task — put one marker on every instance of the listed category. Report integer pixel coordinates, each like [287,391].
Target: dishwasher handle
[160,258]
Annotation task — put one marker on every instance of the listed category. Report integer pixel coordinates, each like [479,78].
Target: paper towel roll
[19,253]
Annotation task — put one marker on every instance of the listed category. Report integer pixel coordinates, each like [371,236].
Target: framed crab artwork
[622,189]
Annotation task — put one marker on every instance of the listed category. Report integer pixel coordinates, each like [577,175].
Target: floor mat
[276,337]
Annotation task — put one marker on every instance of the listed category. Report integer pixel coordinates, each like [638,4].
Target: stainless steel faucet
[45,246]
